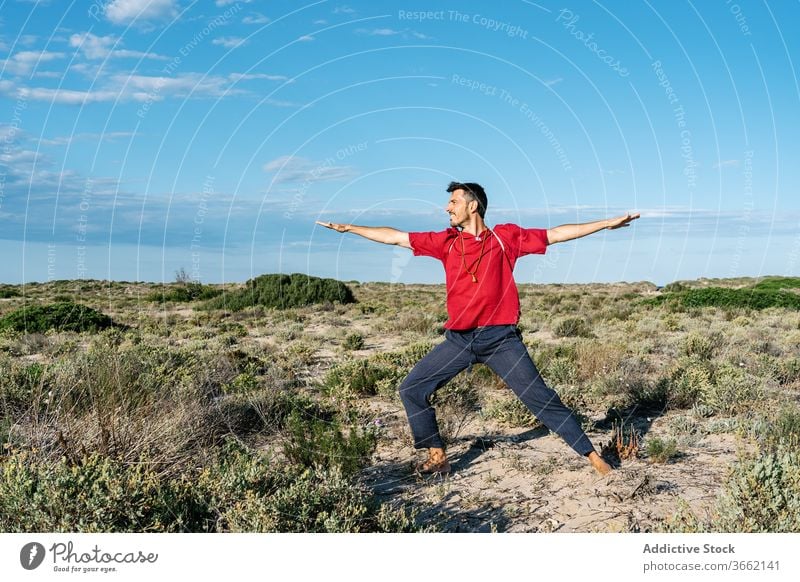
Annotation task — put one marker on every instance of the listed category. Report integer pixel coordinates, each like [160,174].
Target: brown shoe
[437,463]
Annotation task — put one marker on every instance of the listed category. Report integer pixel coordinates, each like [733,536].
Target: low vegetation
[268,407]
[184,293]
[282,292]
[60,316]
[767,293]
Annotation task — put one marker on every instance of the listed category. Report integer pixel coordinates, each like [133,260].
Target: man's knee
[415,392]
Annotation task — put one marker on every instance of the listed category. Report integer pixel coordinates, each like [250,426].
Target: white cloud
[552,82]
[101,47]
[93,47]
[108,137]
[382,32]
[89,70]
[142,88]
[27,39]
[726,164]
[11,134]
[256,18]
[48,75]
[66,96]
[296,169]
[392,32]
[23,62]
[306,38]
[235,77]
[228,2]
[130,11]
[20,161]
[229,42]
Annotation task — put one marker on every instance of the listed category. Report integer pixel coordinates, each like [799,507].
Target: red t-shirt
[493,299]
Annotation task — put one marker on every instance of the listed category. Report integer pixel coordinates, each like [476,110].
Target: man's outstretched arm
[567,232]
[381,234]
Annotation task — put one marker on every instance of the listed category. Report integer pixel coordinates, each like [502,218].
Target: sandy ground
[531,481]
[518,480]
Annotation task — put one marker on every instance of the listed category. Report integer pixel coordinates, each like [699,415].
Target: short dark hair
[472,191]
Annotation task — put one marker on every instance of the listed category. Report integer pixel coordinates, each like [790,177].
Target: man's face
[458,208]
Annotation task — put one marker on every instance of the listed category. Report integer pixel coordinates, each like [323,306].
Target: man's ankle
[599,463]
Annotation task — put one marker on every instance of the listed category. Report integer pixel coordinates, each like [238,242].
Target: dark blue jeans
[500,347]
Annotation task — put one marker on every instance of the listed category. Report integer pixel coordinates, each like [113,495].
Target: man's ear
[471,207]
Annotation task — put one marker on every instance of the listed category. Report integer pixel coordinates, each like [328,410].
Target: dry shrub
[456,405]
[622,446]
[594,359]
[419,322]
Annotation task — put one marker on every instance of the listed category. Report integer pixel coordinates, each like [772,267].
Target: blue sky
[138,137]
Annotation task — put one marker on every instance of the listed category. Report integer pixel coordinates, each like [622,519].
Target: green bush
[788,371]
[98,495]
[572,327]
[63,316]
[722,297]
[511,412]
[675,286]
[561,370]
[777,283]
[549,353]
[381,373]
[7,292]
[661,451]
[240,491]
[761,496]
[316,500]
[20,383]
[353,341]
[314,443]
[282,292]
[357,378]
[781,429]
[690,382]
[183,293]
[701,345]
[648,396]
[732,391]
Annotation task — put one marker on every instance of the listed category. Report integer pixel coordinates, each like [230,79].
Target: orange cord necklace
[477,263]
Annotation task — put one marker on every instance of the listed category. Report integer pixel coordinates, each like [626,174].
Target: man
[483,310]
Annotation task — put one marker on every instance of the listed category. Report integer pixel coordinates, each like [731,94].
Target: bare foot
[437,462]
[599,463]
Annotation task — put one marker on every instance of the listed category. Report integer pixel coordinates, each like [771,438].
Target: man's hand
[381,234]
[567,232]
[334,226]
[621,221]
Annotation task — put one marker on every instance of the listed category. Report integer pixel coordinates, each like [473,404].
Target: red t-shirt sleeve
[523,241]
[532,241]
[429,244]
